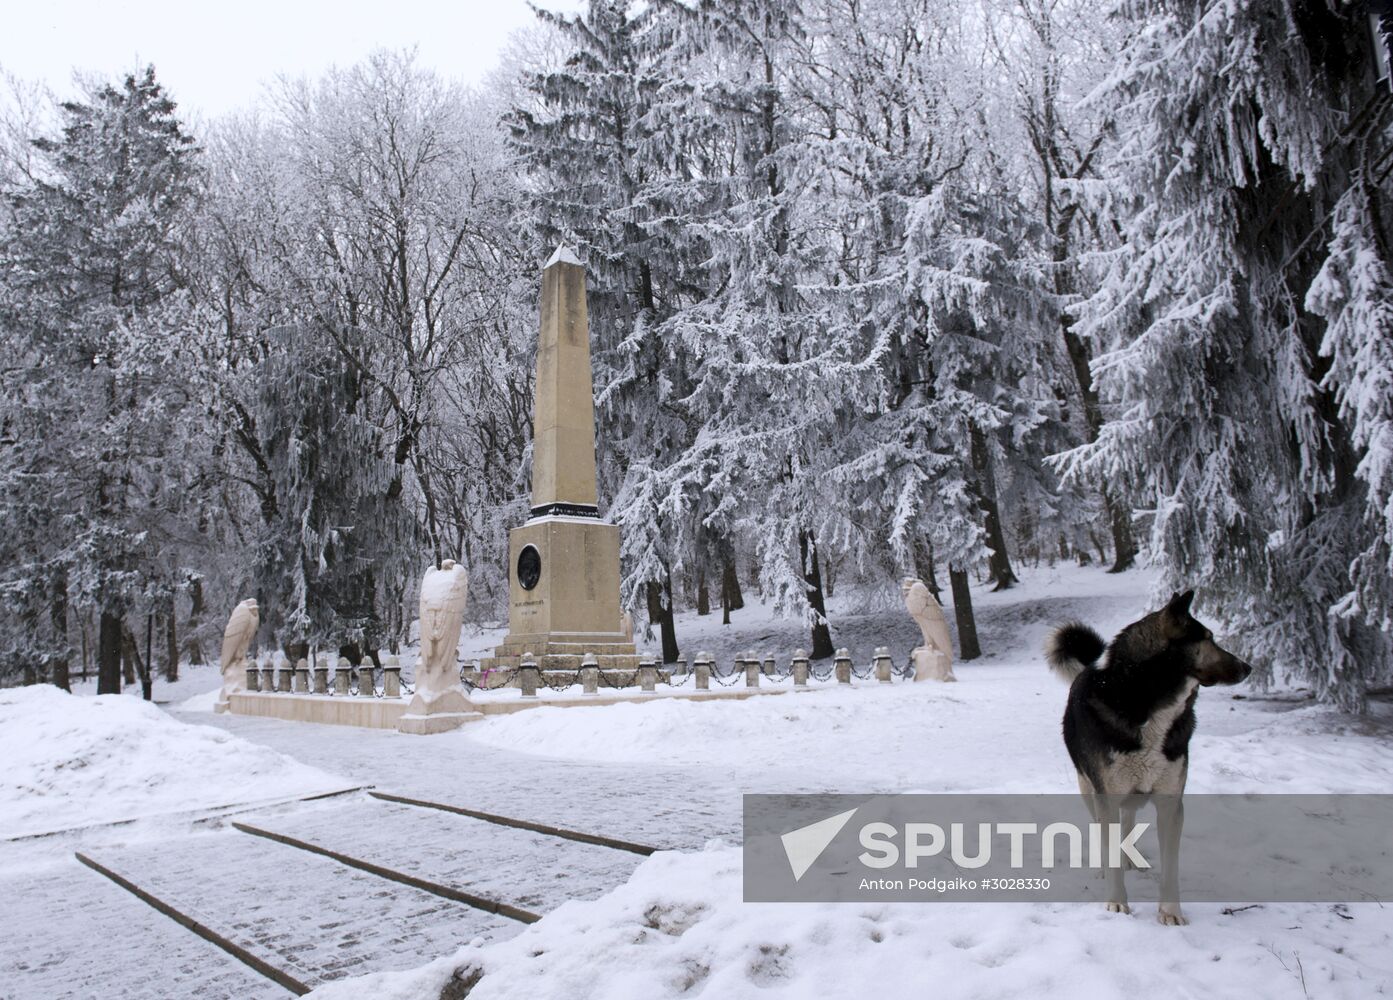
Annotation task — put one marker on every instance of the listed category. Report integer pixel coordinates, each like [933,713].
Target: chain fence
[475,679]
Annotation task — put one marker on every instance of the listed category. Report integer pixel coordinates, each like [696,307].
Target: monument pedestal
[447,711]
[564,589]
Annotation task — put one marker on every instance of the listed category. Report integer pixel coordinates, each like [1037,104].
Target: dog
[1128,723]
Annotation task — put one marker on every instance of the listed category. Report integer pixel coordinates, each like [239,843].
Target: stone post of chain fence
[800,668]
[341,676]
[321,674]
[367,687]
[268,676]
[882,664]
[528,675]
[842,664]
[302,676]
[253,676]
[391,676]
[751,671]
[589,675]
[702,666]
[647,673]
[284,678]
[768,664]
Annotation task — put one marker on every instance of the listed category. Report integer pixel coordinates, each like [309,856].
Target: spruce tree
[91,277]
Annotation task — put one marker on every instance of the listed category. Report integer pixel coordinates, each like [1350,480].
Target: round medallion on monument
[529,567]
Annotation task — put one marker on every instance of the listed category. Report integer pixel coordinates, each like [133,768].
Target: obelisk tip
[564,255]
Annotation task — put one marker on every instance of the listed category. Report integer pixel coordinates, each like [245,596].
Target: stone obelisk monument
[563,564]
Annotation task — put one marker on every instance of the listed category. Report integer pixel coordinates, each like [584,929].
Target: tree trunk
[1124,544]
[968,647]
[109,654]
[924,567]
[134,665]
[82,628]
[58,617]
[193,645]
[171,642]
[730,584]
[660,614]
[703,595]
[669,623]
[999,562]
[128,674]
[812,576]
[1080,360]
[147,676]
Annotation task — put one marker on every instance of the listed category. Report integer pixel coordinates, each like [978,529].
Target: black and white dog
[1129,720]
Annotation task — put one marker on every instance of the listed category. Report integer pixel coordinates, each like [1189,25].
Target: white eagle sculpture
[934,659]
[236,640]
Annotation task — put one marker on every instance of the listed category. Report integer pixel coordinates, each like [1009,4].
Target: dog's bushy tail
[1072,649]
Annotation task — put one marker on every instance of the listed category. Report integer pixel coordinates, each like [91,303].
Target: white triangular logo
[806,844]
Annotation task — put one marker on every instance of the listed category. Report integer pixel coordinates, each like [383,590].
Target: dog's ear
[1180,603]
[1175,616]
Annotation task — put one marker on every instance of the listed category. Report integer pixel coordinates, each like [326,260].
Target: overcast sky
[215,57]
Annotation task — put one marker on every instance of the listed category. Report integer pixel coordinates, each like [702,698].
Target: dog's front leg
[1109,813]
[1170,821]
[1129,821]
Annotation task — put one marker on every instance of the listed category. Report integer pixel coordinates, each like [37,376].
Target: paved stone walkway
[69,932]
[530,870]
[309,915]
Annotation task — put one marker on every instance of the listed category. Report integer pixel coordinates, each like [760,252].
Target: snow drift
[73,761]
[679,928]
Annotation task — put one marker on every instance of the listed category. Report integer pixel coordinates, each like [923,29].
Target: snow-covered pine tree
[339,539]
[1046,141]
[1240,379]
[90,276]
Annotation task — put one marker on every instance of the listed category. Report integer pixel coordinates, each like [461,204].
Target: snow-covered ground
[679,926]
[200,682]
[672,773]
[74,762]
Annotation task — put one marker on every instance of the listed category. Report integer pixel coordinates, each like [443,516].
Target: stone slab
[435,722]
[368,713]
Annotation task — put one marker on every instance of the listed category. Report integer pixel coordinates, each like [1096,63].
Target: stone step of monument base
[552,647]
[558,669]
